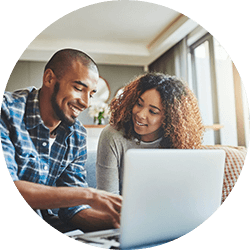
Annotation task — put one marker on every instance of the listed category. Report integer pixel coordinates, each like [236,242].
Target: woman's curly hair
[182,125]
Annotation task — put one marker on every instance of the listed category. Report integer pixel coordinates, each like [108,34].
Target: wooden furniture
[214,127]
[94,132]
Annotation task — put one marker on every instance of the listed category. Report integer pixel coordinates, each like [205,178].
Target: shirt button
[45,168]
[44,144]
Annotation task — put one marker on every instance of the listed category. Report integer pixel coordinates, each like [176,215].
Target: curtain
[173,62]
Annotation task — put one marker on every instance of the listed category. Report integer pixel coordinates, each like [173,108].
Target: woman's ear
[49,78]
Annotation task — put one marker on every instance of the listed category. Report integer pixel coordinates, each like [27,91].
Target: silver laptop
[166,194]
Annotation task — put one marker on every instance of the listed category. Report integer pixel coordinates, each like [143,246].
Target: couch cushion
[91,168]
[235,157]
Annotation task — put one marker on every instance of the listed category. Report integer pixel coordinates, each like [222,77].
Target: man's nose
[84,100]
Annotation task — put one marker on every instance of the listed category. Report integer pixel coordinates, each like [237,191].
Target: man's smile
[76,110]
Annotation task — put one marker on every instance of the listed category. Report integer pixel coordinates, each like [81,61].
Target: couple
[45,145]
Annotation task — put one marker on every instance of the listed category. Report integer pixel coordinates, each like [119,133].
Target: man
[45,145]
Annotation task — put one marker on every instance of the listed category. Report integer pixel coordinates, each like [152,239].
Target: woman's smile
[140,124]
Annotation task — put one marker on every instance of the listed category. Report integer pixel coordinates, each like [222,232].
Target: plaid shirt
[25,143]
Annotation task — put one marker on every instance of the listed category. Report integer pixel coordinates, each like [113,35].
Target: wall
[27,73]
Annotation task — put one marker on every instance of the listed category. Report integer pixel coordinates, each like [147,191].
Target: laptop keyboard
[108,240]
[113,237]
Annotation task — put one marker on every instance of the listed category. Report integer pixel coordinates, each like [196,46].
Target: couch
[90,168]
[235,157]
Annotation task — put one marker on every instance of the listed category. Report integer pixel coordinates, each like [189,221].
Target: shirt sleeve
[107,173]
[7,145]
[74,176]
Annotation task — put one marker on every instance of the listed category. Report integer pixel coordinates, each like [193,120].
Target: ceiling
[114,32]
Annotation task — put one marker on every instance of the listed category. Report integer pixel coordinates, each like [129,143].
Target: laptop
[166,194]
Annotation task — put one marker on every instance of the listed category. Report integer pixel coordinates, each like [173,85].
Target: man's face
[72,93]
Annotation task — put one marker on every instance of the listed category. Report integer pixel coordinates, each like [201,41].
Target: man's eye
[78,89]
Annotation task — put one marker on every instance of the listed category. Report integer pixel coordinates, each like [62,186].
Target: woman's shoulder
[110,132]
[112,138]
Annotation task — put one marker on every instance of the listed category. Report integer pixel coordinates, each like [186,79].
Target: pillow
[235,157]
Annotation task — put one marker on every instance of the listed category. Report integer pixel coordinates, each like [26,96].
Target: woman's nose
[142,114]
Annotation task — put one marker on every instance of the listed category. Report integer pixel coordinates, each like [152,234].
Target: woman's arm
[107,178]
[107,164]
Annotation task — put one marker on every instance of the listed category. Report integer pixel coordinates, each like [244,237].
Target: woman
[154,111]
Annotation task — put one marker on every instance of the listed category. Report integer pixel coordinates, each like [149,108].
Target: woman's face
[148,115]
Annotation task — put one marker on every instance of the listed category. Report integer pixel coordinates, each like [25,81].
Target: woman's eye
[140,105]
[152,112]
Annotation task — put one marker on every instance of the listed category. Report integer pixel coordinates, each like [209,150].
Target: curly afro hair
[182,125]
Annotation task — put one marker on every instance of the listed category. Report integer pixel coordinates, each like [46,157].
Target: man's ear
[49,78]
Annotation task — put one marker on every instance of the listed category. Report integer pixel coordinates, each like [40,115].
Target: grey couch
[91,168]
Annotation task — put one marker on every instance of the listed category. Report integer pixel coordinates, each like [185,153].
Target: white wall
[27,73]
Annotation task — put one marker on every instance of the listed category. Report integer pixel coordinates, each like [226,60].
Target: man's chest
[37,161]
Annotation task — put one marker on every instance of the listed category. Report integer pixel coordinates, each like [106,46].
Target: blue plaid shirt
[25,143]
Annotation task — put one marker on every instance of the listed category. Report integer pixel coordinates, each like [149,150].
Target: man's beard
[58,111]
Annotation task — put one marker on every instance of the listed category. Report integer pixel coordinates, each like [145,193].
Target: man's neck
[47,113]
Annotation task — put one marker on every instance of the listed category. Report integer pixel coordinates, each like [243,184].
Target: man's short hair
[62,60]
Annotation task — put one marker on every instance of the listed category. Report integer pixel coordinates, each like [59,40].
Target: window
[211,78]
[202,82]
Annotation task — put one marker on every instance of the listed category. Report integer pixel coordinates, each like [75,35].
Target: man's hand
[107,203]
[104,212]
[90,219]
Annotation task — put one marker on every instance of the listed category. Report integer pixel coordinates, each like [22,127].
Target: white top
[51,141]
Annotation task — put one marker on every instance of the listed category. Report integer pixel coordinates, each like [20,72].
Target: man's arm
[39,196]
[45,197]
